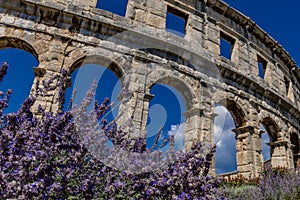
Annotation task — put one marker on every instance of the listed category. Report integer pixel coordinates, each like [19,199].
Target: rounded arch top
[114,65]
[179,85]
[14,42]
[236,110]
[270,124]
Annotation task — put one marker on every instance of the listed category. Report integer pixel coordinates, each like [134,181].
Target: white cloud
[265,147]
[225,156]
[178,131]
[223,124]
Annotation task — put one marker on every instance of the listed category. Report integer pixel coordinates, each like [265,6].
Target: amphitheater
[258,83]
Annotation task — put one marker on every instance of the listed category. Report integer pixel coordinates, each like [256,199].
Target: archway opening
[268,139]
[224,137]
[166,110]
[19,77]
[108,86]
[271,128]
[296,150]
[266,150]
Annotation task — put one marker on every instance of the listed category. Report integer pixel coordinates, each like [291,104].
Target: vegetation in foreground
[274,184]
[45,156]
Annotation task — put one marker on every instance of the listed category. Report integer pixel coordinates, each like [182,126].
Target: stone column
[134,108]
[146,102]
[295,151]
[262,161]
[52,57]
[280,154]
[50,99]
[248,147]
[257,151]
[193,131]
[297,161]
[134,113]
[198,128]
[213,142]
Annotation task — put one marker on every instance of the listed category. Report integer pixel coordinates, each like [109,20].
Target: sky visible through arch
[279,19]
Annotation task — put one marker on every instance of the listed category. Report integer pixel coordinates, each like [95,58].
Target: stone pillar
[52,51]
[280,154]
[296,155]
[51,98]
[257,151]
[134,108]
[262,161]
[194,29]
[134,113]
[212,36]
[213,142]
[290,156]
[146,102]
[248,147]
[296,159]
[199,125]
[193,131]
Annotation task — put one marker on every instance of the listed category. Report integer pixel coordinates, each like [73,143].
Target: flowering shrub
[45,156]
[274,184]
[240,181]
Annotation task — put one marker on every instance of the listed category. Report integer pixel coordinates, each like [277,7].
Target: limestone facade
[65,34]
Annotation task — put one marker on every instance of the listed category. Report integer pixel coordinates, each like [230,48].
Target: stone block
[243,168]
[158,5]
[194,35]
[140,15]
[214,35]
[155,20]
[243,158]
[213,47]
[146,18]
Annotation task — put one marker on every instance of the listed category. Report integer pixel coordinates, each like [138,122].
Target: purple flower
[44,157]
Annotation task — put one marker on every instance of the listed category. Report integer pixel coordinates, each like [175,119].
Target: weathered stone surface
[138,49]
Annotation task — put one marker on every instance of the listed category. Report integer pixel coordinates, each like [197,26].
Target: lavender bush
[44,156]
[273,184]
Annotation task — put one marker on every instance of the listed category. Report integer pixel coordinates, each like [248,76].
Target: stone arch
[23,85]
[114,63]
[225,141]
[238,107]
[270,123]
[178,84]
[295,147]
[238,113]
[236,110]
[98,60]
[14,42]
[277,130]
[186,95]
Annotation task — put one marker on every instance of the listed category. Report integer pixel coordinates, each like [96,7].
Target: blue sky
[280,19]
[19,76]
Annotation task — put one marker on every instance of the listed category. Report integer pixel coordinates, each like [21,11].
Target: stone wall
[137,47]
